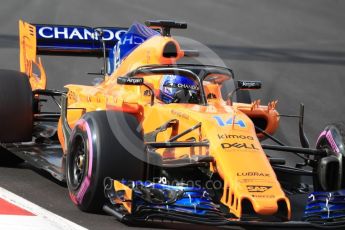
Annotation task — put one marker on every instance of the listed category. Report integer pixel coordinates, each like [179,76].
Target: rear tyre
[330,170]
[16,107]
[95,153]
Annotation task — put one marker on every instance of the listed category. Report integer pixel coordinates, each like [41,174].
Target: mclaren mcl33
[158,139]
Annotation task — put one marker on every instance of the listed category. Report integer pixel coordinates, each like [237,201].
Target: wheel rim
[78,164]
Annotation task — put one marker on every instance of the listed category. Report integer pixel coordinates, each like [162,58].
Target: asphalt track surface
[297,49]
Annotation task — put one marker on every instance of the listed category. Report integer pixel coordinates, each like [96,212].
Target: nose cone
[262,196]
[264,201]
[277,206]
[250,184]
[256,194]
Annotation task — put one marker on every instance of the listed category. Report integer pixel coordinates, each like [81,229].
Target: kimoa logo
[258,188]
[71,33]
[231,136]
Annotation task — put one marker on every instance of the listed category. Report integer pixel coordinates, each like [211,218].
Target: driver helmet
[178,89]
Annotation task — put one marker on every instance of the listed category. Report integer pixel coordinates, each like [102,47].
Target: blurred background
[296,48]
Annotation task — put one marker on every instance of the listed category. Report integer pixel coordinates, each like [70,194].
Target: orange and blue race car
[158,139]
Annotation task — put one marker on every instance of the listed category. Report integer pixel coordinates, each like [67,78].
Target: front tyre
[94,153]
[330,170]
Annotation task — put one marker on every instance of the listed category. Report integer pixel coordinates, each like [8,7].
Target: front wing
[137,201]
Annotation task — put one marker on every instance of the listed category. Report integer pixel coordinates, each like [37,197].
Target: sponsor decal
[181,85]
[237,145]
[229,136]
[263,196]
[258,174]
[230,121]
[130,39]
[130,81]
[78,33]
[162,180]
[180,114]
[186,86]
[135,80]
[258,188]
[253,180]
[249,84]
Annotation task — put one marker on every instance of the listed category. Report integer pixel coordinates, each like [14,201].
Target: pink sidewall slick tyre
[95,153]
[330,171]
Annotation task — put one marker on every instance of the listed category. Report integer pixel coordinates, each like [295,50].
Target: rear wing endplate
[65,40]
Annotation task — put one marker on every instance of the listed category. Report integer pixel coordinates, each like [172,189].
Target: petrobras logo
[77,33]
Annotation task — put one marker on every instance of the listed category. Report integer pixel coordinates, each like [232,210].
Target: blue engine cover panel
[128,41]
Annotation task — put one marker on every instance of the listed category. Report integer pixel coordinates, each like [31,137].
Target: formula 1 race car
[158,139]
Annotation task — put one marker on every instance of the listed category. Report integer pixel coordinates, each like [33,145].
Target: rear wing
[65,40]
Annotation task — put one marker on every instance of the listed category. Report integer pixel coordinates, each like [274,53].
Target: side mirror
[329,174]
[244,85]
[248,85]
[191,53]
[130,81]
[136,81]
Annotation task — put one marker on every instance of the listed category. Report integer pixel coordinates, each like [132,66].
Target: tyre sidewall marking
[81,191]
